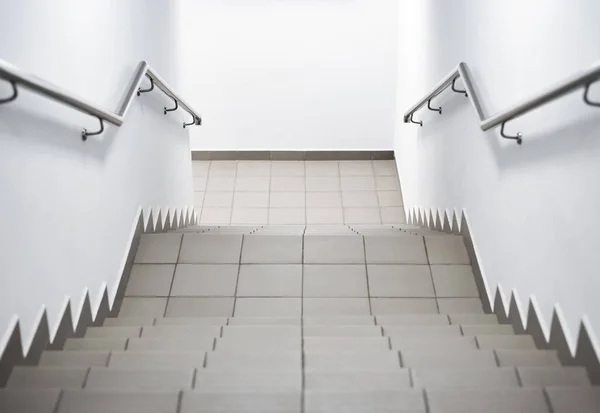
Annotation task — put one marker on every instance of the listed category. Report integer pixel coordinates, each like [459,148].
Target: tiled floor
[224,275]
[297,192]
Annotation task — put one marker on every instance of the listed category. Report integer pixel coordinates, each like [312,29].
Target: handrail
[18,77]
[581,80]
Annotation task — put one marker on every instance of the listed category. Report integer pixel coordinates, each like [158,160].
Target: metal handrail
[581,80]
[18,77]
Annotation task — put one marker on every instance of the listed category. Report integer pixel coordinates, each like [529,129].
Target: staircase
[301,319]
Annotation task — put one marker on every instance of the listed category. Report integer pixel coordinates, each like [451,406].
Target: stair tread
[30,401]
[147,379]
[459,400]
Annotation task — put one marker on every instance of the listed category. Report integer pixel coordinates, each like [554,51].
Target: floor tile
[254,183]
[372,381]
[200,183]
[357,361]
[287,200]
[335,281]
[200,307]
[253,168]
[324,199]
[30,401]
[335,306]
[287,168]
[228,361]
[324,216]
[487,400]
[155,359]
[362,216]
[210,249]
[385,249]
[272,401]
[198,199]
[390,198]
[527,358]
[102,378]
[288,183]
[257,381]
[268,307]
[331,249]
[460,305]
[322,184]
[287,216]
[200,168]
[454,281]
[393,215]
[222,168]
[258,216]
[220,183]
[64,358]
[272,249]
[251,200]
[360,199]
[322,168]
[356,168]
[221,216]
[205,280]
[150,280]
[402,306]
[446,250]
[553,376]
[218,199]
[385,168]
[571,399]
[398,401]
[498,378]
[88,401]
[471,359]
[36,377]
[270,281]
[158,249]
[357,183]
[387,183]
[400,281]
[142,307]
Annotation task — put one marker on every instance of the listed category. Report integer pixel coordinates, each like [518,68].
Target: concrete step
[95,401]
[146,379]
[28,401]
[248,380]
[254,361]
[257,344]
[91,344]
[527,358]
[357,381]
[448,359]
[337,362]
[473,319]
[492,377]
[156,359]
[200,343]
[41,377]
[339,321]
[422,331]
[480,330]
[181,331]
[242,332]
[214,321]
[433,343]
[265,321]
[113,332]
[413,320]
[75,358]
[128,321]
[346,344]
[553,376]
[469,400]
[520,342]
[342,331]
[282,401]
[401,401]
[574,399]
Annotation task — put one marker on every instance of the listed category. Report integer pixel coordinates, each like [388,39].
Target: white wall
[533,209]
[291,74]
[68,207]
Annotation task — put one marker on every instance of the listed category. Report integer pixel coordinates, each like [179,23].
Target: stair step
[480,330]
[487,400]
[113,332]
[345,344]
[357,381]
[156,359]
[419,331]
[381,361]
[473,319]
[401,400]
[574,399]
[259,344]
[493,377]
[74,358]
[91,344]
[181,331]
[95,401]
[202,343]
[342,331]
[28,401]
[433,343]
[28,377]
[265,321]
[553,376]
[242,332]
[521,342]
[147,379]
[413,320]
[527,358]
[248,380]
[339,321]
[249,361]
[448,359]
[128,321]
[283,401]
[213,321]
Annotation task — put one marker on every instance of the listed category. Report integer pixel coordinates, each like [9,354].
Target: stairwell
[301,318]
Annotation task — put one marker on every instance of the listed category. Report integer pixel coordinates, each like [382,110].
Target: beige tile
[385,168]
[400,281]
[218,199]
[200,168]
[322,184]
[215,216]
[358,183]
[251,199]
[220,183]
[287,168]
[150,280]
[287,184]
[335,281]
[390,198]
[403,306]
[446,250]
[324,199]
[287,200]
[362,216]
[392,215]
[143,307]
[253,168]
[387,183]
[270,281]
[454,281]
[250,216]
[198,199]
[324,216]
[222,168]
[361,199]
[200,183]
[322,168]
[287,216]
[336,306]
[204,280]
[200,307]
[268,307]
[254,183]
[356,168]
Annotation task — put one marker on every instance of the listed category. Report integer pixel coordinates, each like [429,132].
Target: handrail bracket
[140,90]
[14,95]
[417,122]
[172,109]
[586,99]
[85,133]
[438,110]
[454,89]
[517,138]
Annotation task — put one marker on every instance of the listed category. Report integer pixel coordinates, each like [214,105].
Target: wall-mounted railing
[18,78]
[581,80]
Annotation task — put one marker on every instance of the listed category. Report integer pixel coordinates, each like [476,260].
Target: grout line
[367,273]
[59,400]
[547,399]
[431,275]
[303,361]
[173,276]
[519,379]
[85,378]
[235,177]
[194,378]
[179,401]
[426,401]
[238,277]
